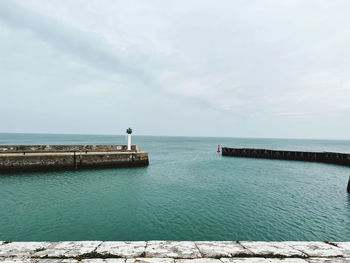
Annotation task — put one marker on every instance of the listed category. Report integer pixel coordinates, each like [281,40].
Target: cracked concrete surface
[221,249]
[276,249]
[172,249]
[173,252]
[122,249]
[68,249]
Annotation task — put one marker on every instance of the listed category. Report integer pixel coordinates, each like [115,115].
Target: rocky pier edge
[174,252]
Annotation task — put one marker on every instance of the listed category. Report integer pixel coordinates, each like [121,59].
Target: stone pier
[174,252]
[15,158]
[322,157]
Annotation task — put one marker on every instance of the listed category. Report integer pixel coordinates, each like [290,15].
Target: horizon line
[185,136]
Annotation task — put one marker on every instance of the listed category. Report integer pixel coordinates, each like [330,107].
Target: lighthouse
[129,131]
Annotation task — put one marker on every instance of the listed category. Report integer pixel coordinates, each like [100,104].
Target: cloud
[67,39]
[240,63]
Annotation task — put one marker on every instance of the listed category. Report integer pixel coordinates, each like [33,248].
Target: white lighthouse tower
[129,131]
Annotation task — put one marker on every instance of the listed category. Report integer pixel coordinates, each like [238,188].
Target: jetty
[321,157]
[15,158]
[174,252]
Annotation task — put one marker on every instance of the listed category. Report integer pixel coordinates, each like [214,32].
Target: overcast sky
[240,68]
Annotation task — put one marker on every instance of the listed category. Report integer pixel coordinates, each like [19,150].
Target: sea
[188,192]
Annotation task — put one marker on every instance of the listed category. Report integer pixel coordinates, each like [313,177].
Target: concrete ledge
[174,252]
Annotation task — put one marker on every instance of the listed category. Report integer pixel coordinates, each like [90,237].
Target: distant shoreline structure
[320,157]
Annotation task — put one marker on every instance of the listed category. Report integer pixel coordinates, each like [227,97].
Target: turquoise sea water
[188,192]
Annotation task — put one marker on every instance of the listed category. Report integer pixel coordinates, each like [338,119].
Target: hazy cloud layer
[198,68]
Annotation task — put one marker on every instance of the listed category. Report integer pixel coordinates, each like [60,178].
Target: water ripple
[189,192]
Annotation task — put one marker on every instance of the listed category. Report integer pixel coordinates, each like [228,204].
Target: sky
[226,68]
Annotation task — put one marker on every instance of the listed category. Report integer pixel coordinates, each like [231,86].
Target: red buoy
[218,148]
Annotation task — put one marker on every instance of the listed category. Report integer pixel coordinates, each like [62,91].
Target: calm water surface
[188,192]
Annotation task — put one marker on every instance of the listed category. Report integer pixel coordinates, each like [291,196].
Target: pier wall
[322,157]
[40,158]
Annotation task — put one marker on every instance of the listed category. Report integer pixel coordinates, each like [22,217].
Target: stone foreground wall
[323,157]
[174,252]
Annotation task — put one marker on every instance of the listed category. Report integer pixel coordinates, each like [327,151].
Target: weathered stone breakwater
[52,157]
[174,251]
[322,157]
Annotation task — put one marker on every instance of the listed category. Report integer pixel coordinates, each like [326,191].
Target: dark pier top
[322,157]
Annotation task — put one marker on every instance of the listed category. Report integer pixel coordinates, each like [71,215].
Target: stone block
[123,249]
[220,249]
[263,260]
[172,249]
[15,260]
[150,260]
[288,260]
[35,260]
[273,249]
[198,260]
[68,249]
[22,249]
[317,249]
[329,260]
[101,260]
